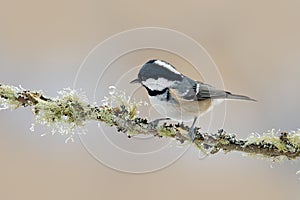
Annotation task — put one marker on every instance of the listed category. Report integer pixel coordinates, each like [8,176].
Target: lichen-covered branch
[71,110]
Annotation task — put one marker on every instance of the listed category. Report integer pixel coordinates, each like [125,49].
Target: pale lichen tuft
[8,97]
[118,98]
[65,114]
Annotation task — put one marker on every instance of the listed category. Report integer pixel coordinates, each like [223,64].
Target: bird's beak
[137,80]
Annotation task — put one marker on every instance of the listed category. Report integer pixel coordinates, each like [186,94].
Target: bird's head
[157,75]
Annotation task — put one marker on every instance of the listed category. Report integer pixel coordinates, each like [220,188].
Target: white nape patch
[159,84]
[197,88]
[167,66]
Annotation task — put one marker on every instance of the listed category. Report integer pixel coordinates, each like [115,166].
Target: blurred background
[255,44]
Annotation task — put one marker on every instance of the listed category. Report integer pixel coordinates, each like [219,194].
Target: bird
[177,96]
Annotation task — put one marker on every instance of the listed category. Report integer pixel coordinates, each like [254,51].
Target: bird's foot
[155,123]
[192,134]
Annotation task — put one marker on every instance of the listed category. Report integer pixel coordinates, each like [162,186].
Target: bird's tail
[238,97]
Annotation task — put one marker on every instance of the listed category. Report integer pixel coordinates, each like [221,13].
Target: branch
[71,110]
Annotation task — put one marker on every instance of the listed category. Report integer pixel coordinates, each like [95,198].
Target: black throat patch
[158,92]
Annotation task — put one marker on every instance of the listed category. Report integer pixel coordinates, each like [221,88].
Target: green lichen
[8,97]
[105,114]
[294,138]
[65,114]
[277,159]
[68,113]
[223,141]
[133,111]
[202,149]
[268,139]
[68,108]
[166,131]
[118,99]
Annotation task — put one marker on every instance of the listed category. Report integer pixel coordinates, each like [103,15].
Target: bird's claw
[154,123]
[192,135]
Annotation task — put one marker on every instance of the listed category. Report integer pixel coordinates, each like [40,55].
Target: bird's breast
[181,110]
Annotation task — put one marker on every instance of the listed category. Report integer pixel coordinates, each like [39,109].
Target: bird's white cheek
[157,84]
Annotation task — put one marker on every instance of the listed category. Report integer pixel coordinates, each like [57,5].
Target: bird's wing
[202,91]
[191,90]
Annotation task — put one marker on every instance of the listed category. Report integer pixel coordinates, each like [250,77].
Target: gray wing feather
[192,90]
[197,91]
[207,91]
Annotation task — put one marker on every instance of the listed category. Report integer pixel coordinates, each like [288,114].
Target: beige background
[256,45]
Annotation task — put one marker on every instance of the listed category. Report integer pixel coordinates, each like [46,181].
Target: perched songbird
[177,96]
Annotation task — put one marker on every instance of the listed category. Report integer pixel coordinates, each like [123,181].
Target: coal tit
[177,96]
